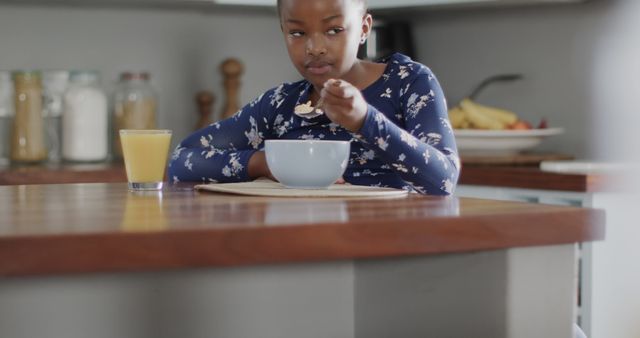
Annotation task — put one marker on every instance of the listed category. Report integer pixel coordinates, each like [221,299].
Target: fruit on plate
[458,118]
[520,125]
[542,124]
[469,114]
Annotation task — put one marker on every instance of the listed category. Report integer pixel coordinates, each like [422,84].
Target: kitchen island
[79,260]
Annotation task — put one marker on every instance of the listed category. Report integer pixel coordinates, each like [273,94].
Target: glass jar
[27,139]
[54,84]
[135,106]
[84,119]
[6,115]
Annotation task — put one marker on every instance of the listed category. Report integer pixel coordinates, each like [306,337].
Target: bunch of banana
[472,115]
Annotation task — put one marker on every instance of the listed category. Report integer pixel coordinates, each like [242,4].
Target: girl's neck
[364,73]
[361,75]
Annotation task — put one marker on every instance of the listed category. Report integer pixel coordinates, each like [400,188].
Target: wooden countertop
[498,176]
[530,178]
[63,173]
[81,228]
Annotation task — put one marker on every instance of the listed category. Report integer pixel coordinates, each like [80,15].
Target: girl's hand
[343,104]
[258,166]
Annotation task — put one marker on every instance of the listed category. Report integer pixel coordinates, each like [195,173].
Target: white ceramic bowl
[500,142]
[307,164]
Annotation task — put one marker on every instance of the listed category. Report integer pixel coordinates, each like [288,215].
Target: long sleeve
[221,151]
[423,152]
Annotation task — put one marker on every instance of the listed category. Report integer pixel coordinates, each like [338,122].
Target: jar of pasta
[135,106]
[27,138]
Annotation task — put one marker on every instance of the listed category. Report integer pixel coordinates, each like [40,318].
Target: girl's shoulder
[285,90]
[403,68]
[280,98]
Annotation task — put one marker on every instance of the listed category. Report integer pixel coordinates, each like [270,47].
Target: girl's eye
[296,34]
[334,31]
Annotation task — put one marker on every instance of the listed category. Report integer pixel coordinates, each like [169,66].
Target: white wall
[579,63]
[181,49]
[578,59]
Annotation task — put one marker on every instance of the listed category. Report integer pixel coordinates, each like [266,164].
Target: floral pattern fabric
[406,141]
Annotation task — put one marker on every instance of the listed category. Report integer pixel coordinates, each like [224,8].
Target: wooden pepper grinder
[231,70]
[204,100]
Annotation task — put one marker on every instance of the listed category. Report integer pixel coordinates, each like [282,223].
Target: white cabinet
[608,276]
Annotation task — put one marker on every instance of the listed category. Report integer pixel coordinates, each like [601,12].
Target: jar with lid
[54,84]
[84,119]
[135,105]
[27,139]
[6,115]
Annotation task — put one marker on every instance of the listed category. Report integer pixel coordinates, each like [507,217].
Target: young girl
[394,112]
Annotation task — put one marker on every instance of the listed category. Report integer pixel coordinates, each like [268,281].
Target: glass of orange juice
[145,157]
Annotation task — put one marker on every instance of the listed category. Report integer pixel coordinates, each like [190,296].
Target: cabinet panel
[608,278]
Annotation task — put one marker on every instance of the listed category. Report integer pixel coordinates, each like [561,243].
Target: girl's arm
[222,151]
[424,154]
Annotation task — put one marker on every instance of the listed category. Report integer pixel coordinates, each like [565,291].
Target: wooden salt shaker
[204,101]
[231,70]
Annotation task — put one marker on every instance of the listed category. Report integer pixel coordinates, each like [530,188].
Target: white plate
[500,142]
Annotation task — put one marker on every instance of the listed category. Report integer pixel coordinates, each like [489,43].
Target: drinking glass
[145,157]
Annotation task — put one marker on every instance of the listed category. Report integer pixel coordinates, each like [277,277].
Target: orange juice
[145,157]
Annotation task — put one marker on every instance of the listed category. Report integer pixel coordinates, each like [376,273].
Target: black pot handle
[493,79]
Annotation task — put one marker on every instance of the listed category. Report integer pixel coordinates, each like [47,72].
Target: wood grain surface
[81,228]
[67,173]
[498,176]
[531,178]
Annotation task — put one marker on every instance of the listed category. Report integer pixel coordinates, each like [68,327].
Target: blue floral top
[406,141]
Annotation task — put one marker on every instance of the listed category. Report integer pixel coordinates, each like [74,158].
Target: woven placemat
[275,189]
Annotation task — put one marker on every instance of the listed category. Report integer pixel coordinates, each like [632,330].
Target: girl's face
[322,36]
